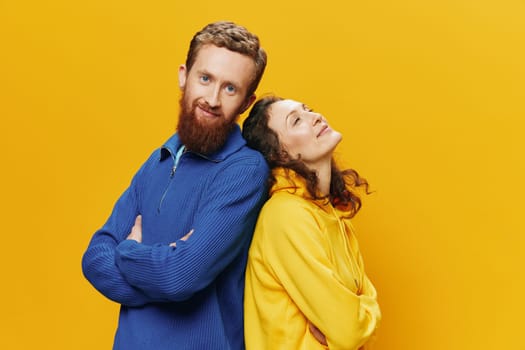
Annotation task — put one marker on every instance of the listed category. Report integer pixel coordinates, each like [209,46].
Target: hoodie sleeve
[299,258]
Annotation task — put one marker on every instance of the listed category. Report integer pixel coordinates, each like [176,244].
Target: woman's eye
[296,121]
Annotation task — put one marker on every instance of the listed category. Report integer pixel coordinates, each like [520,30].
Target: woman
[306,287]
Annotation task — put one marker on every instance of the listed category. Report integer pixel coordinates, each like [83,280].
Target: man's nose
[213,97]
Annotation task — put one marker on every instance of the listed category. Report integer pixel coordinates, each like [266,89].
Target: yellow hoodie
[304,265]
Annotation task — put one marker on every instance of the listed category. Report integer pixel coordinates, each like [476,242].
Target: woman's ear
[182,76]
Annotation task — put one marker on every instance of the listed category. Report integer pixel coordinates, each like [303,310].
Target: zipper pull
[173,171]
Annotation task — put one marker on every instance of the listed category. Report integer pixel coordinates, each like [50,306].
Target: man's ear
[248,103]
[182,76]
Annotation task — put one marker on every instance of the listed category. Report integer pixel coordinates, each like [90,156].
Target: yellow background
[430,98]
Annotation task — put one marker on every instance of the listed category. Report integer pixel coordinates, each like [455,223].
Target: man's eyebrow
[203,71]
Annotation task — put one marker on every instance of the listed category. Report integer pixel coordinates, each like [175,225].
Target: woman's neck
[324,176]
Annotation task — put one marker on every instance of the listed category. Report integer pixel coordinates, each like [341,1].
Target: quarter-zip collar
[234,142]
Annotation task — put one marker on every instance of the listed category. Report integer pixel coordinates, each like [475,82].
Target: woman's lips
[324,129]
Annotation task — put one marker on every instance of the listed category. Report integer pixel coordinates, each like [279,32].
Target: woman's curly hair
[262,138]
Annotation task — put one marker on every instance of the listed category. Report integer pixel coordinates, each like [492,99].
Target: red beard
[205,138]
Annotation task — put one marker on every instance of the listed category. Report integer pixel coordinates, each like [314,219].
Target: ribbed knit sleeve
[298,257]
[98,261]
[228,206]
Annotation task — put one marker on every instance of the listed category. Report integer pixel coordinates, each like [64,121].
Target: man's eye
[205,78]
[230,88]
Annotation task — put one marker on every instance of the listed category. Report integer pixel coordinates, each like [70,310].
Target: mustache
[202,136]
[202,104]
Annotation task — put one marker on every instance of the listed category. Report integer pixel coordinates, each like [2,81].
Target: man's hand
[317,334]
[136,230]
[174,244]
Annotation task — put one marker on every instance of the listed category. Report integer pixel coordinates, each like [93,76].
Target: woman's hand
[317,334]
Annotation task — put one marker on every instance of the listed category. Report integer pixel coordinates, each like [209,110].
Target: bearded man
[173,252]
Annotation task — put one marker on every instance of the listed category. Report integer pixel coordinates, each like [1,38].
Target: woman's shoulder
[288,220]
[285,208]
[287,200]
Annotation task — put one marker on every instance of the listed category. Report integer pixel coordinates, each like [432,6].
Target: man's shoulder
[246,156]
[246,151]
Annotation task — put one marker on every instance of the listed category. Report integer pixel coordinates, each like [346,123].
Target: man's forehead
[223,63]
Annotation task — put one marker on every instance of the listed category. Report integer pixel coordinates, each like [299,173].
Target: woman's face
[302,132]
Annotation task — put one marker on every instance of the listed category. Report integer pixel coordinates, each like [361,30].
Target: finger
[318,335]
[137,228]
[138,221]
[187,235]
[134,236]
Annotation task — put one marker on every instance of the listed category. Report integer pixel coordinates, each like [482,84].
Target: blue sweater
[191,296]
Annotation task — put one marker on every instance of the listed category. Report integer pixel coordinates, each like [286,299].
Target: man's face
[214,94]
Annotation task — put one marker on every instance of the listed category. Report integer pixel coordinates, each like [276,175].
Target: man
[173,252]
